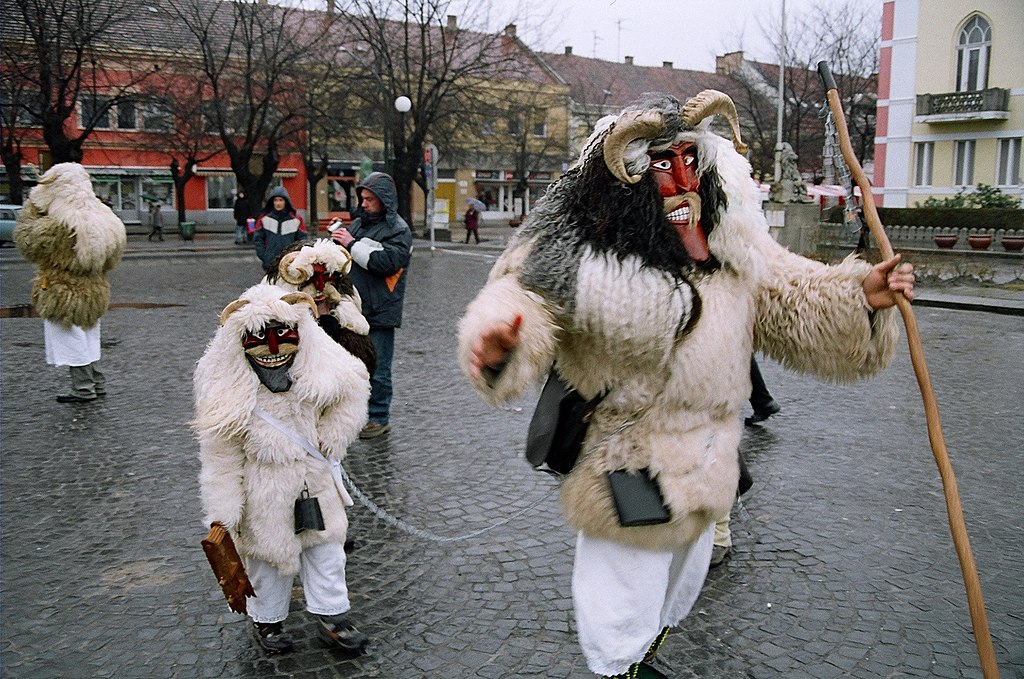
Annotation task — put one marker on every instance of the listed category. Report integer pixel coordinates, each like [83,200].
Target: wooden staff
[953,509]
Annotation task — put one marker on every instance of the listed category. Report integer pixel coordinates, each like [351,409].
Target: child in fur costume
[320,269]
[277,404]
[647,273]
[74,239]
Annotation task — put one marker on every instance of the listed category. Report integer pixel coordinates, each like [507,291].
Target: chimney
[568,49]
[510,30]
[629,61]
[452,22]
[666,64]
[729,63]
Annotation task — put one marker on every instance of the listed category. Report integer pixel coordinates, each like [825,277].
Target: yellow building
[950,100]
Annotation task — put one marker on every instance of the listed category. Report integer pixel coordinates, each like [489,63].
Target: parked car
[8,214]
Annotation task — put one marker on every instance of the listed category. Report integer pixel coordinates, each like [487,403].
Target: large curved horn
[630,125]
[284,270]
[232,308]
[302,298]
[712,102]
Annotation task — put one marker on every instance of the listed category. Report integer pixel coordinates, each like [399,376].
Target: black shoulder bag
[559,425]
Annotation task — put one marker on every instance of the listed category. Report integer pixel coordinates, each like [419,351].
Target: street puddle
[28,311]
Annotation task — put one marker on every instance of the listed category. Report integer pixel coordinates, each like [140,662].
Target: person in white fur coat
[277,404]
[75,240]
[647,273]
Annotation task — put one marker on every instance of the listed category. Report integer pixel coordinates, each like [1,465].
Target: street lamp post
[403,105]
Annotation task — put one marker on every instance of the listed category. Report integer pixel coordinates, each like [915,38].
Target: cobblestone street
[843,565]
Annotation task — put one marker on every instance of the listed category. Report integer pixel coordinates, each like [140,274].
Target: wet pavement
[843,565]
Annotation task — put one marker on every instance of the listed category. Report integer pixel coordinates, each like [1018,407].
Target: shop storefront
[496,188]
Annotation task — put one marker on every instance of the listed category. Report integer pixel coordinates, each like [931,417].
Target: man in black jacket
[380,243]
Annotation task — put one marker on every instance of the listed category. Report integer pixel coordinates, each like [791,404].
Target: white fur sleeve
[500,301]
[221,479]
[340,422]
[815,318]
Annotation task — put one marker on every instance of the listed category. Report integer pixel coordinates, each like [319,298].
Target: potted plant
[979,241]
[945,240]
[1013,242]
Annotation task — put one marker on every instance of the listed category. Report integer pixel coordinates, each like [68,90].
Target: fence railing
[917,237]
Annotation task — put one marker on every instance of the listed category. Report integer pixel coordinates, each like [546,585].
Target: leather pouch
[638,498]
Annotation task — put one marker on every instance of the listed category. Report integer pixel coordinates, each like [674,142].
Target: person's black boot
[763,413]
[338,631]
[271,637]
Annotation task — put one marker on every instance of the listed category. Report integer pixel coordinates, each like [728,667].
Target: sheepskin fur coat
[74,240]
[671,347]
[252,473]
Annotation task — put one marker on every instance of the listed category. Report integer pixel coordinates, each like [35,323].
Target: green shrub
[983,196]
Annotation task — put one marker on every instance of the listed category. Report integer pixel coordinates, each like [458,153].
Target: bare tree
[253,58]
[527,141]
[847,36]
[57,53]
[176,102]
[415,48]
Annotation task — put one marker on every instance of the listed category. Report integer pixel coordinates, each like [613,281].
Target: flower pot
[979,242]
[946,240]
[1013,243]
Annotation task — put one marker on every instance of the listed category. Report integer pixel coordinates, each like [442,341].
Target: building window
[963,163]
[1008,164]
[158,190]
[95,112]
[923,153]
[489,127]
[540,129]
[973,48]
[513,127]
[126,118]
[220,192]
[156,115]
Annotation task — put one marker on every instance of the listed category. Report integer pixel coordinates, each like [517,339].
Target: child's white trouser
[322,570]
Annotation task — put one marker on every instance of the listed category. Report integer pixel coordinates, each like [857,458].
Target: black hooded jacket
[381,252]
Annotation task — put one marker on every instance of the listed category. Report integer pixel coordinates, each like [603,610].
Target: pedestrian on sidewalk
[278,227]
[242,212]
[74,240]
[278,402]
[380,243]
[648,277]
[156,221]
[472,221]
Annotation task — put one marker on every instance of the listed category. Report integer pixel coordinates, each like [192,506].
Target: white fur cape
[75,240]
[673,407]
[251,472]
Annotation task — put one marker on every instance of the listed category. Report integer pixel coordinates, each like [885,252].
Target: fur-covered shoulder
[226,386]
[65,194]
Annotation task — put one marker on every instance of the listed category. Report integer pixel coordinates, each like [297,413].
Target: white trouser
[322,570]
[624,596]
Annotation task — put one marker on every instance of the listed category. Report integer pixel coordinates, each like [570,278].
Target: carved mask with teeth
[271,351]
[675,172]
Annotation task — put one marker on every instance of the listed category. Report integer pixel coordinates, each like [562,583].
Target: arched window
[974,46]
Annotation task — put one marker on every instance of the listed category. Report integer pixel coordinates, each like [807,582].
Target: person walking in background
[242,212]
[472,220]
[380,243]
[156,221]
[278,227]
[74,240]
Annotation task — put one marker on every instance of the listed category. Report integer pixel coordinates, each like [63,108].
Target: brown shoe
[374,429]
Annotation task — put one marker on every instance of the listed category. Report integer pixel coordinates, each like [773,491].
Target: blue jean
[380,382]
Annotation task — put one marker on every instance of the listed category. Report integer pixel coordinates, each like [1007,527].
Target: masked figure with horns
[277,404]
[647,274]
[320,268]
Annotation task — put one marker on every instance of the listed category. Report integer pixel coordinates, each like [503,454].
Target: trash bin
[187,229]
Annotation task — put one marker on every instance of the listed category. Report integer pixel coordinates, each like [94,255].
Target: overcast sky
[689,33]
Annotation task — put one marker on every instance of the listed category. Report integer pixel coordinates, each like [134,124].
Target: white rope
[340,476]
